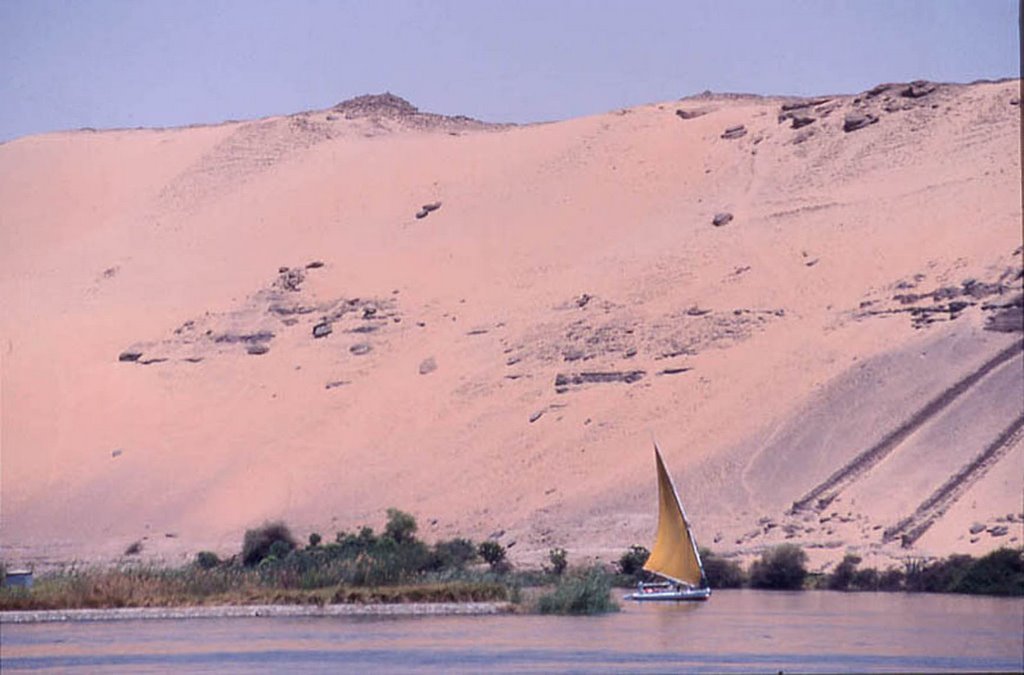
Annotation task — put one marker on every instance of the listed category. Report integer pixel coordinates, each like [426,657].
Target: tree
[632,561]
[494,554]
[721,573]
[259,541]
[780,568]
[843,575]
[559,561]
[453,554]
[401,526]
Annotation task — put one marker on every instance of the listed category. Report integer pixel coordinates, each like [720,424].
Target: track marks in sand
[935,506]
[822,495]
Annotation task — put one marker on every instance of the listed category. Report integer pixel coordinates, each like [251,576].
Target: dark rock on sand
[427,209]
[735,132]
[1007,320]
[129,356]
[360,349]
[690,114]
[565,380]
[289,279]
[428,365]
[257,348]
[722,218]
[879,89]
[322,329]
[316,264]
[802,121]
[855,121]
[917,89]
[803,136]
[803,104]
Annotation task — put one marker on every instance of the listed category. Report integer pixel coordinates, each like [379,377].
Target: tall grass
[585,592]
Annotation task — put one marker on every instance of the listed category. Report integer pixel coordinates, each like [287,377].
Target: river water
[736,631]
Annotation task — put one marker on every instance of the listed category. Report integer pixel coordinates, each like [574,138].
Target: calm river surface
[736,631]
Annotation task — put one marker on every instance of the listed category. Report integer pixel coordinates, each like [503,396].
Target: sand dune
[206,327]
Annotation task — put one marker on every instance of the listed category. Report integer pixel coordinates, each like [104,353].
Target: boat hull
[674,595]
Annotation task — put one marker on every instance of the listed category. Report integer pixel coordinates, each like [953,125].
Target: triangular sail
[675,553]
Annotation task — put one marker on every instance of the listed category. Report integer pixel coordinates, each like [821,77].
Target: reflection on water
[735,631]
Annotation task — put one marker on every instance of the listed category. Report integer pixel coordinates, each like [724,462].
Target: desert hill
[814,305]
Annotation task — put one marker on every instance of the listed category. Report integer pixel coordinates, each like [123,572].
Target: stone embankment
[251,611]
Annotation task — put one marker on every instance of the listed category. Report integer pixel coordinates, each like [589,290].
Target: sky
[66,64]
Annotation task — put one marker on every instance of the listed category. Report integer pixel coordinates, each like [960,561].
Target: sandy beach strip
[250,611]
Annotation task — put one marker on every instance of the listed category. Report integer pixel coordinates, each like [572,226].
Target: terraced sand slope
[203,328]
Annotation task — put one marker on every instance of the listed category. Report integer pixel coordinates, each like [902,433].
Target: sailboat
[674,557]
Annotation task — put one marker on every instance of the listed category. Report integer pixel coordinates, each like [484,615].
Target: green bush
[631,563]
[720,572]
[1001,572]
[454,554]
[939,576]
[258,542]
[890,580]
[493,554]
[400,526]
[207,560]
[586,593]
[843,575]
[558,557]
[780,568]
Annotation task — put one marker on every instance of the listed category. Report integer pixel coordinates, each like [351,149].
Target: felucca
[674,557]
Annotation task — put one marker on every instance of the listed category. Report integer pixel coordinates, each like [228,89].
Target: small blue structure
[18,578]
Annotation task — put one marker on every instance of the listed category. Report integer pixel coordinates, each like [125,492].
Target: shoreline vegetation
[395,569]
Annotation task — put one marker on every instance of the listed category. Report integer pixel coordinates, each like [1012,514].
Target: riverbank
[255,611]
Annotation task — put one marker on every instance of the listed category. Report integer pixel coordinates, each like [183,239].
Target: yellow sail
[674,555]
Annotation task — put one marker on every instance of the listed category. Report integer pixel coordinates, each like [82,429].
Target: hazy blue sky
[122,63]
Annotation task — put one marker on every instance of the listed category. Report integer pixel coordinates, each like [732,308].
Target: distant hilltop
[376,105]
[389,106]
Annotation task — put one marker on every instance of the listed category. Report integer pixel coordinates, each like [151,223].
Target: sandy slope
[457,380]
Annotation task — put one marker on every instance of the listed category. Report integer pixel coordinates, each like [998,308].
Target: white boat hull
[670,595]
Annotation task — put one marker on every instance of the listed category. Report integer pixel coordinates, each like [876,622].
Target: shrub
[400,526]
[314,539]
[258,542]
[721,573]
[890,580]
[134,548]
[632,561]
[940,576]
[559,561]
[780,568]
[453,554]
[842,576]
[865,580]
[587,593]
[207,560]
[494,554]
[1000,572]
